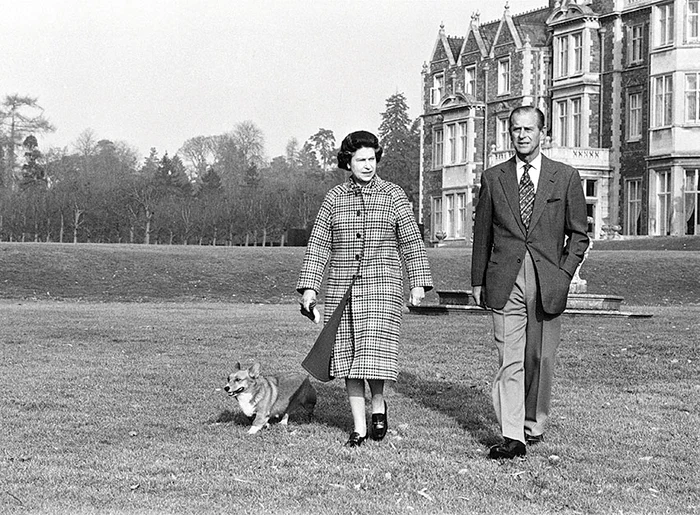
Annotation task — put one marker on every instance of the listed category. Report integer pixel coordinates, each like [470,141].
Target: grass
[116,407]
[136,273]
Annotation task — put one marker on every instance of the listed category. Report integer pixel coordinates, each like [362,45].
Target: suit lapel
[509,182]
[544,189]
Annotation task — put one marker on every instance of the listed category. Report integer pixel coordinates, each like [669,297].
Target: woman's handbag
[318,361]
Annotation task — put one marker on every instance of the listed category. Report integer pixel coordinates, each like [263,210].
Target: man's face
[525,135]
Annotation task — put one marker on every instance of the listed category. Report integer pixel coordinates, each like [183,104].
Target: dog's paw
[284,420]
[254,429]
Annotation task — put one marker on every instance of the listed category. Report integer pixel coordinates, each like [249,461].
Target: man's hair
[525,110]
[354,142]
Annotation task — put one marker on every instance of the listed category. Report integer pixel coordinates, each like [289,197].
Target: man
[521,270]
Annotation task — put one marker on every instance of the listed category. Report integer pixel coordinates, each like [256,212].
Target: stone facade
[619,83]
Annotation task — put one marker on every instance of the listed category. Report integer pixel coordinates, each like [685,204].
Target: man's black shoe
[534,439]
[507,450]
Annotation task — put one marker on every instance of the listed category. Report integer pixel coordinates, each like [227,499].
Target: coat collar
[371,186]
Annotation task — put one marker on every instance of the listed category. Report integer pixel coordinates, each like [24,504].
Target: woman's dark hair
[355,141]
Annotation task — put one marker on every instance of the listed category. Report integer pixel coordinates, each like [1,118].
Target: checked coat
[365,231]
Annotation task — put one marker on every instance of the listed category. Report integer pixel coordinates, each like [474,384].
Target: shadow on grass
[467,405]
[333,409]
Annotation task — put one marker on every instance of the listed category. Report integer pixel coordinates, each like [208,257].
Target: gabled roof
[474,41]
[442,49]
[506,32]
[527,28]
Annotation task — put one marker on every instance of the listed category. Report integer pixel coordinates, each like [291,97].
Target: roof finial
[442,28]
[475,17]
[507,6]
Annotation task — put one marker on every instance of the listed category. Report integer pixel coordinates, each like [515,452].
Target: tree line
[216,190]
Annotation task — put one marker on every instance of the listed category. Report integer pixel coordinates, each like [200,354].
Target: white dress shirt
[534,171]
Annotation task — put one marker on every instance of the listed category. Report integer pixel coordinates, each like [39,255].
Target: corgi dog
[269,397]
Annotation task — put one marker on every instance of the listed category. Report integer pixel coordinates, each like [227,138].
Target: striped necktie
[527,195]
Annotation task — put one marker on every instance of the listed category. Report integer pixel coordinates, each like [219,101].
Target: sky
[154,73]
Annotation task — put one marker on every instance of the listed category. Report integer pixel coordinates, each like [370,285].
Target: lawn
[114,358]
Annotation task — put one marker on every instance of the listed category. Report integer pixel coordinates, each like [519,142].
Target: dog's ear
[237,367]
[254,371]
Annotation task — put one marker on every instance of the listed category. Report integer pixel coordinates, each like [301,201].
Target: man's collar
[535,163]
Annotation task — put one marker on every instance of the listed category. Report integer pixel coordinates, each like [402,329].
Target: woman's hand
[308,300]
[416,296]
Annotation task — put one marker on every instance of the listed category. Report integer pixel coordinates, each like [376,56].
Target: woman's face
[363,165]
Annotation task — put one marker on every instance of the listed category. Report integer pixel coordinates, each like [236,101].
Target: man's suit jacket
[501,240]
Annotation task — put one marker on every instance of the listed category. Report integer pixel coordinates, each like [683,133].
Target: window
[664,208]
[692,97]
[470,80]
[692,202]
[633,221]
[569,54]
[693,17]
[455,215]
[437,90]
[575,122]
[577,47]
[460,231]
[452,143]
[437,217]
[450,225]
[664,24]
[635,44]
[562,56]
[463,142]
[663,101]
[569,123]
[590,188]
[504,76]
[503,141]
[634,116]
[563,122]
[438,148]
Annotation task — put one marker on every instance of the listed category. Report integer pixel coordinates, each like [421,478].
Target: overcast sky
[155,73]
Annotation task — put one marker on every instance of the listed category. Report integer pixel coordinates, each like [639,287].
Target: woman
[361,229]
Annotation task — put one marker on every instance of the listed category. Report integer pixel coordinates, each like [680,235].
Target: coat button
[518,261]
[359,213]
[357,257]
[359,235]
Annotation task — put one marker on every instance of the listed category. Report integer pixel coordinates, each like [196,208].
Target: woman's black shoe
[379,424]
[355,440]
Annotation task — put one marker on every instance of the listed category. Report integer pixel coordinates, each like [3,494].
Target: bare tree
[198,154]
[86,143]
[250,141]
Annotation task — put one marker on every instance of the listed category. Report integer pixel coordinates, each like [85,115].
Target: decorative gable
[474,42]
[506,33]
[442,49]
[570,11]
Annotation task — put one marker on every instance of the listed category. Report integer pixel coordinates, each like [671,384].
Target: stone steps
[578,304]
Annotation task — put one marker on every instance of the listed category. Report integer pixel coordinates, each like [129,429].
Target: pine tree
[401,142]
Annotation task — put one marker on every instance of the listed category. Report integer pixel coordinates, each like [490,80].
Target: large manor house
[619,83]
